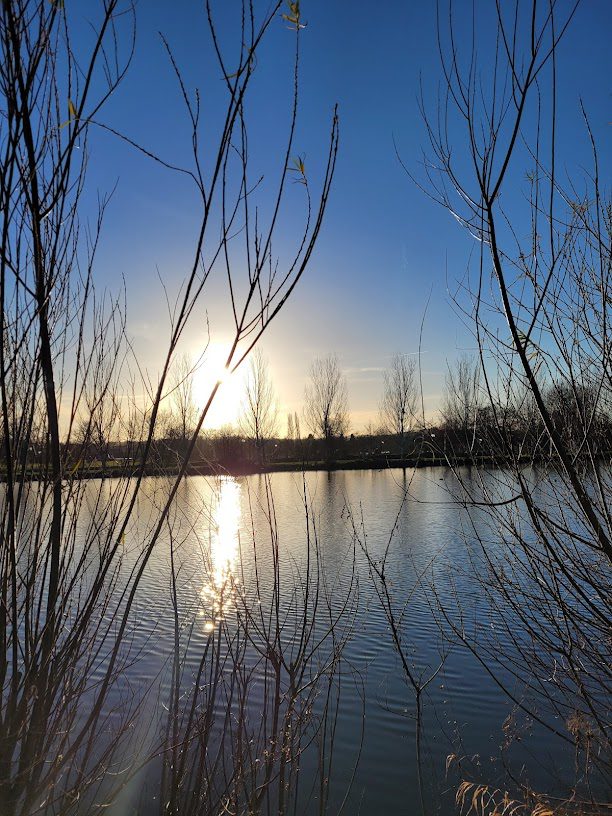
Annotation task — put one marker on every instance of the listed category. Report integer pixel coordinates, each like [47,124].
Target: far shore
[204,468]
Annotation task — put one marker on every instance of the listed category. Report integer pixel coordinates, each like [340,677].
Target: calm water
[222,544]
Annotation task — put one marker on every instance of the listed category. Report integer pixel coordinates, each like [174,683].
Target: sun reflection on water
[218,592]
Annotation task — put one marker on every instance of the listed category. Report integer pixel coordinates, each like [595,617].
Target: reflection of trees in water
[538,306]
[265,688]
[71,574]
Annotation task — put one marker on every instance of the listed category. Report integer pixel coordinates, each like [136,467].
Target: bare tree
[184,411]
[293,433]
[462,401]
[548,586]
[296,426]
[326,401]
[259,420]
[65,360]
[290,426]
[399,399]
[293,426]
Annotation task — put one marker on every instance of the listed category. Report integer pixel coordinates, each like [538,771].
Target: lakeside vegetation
[470,430]
[240,715]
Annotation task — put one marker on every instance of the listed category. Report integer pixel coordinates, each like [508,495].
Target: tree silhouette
[399,399]
[326,401]
[259,420]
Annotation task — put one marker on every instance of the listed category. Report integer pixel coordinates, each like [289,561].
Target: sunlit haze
[227,404]
[388,260]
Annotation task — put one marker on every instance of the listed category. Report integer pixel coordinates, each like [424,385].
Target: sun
[227,404]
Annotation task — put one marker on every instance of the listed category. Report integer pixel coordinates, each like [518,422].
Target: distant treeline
[468,431]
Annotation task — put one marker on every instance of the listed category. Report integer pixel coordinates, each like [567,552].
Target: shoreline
[202,468]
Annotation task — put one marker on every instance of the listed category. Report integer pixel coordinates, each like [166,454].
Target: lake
[291,565]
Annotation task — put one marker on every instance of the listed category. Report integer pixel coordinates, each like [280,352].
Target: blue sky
[385,250]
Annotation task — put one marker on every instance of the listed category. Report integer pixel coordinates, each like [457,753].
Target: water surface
[230,535]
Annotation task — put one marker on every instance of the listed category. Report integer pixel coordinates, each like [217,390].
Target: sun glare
[217,593]
[227,405]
